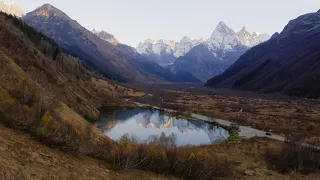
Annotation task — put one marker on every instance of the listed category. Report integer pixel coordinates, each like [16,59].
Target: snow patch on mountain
[156,47]
[223,38]
[177,49]
[185,45]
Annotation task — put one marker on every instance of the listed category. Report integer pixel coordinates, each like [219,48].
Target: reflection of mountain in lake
[149,119]
[155,119]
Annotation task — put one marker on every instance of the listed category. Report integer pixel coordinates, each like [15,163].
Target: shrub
[293,157]
[161,155]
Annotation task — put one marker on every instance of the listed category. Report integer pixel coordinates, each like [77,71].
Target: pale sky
[132,21]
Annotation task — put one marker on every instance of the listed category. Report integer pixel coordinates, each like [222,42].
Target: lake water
[143,123]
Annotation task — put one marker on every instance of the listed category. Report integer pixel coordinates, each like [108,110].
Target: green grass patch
[235,137]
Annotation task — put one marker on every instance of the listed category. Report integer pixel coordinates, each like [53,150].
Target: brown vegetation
[23,157]
[283,115]
[49,93]
[293,157]
[161,155]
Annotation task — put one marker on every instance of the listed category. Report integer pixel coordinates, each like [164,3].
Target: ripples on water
[143,123]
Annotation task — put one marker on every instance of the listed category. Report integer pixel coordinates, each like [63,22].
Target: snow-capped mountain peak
[243,31]
[176,49]
[156,47]
[186,39]
[245,38]
[185,45]
[223,29]
[222,37]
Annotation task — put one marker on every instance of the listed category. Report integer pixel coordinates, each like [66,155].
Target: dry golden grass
[22,157]
[290,117]
[250,155]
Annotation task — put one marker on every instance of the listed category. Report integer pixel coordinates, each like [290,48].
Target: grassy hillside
[49,93]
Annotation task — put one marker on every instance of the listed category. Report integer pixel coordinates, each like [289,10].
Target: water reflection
[142,123]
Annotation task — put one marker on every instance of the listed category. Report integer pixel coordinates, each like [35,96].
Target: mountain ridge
[118,62]
[225,45]
[148,46]
[287,63]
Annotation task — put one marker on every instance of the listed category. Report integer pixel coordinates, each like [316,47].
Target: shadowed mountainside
[289,62]
[119,62]
[204,64]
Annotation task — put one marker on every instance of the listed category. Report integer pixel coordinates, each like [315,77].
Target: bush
[293,157]
[161,155]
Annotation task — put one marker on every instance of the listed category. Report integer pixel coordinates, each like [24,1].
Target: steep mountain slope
[289,62]
[118,62]
[203,64]
[50,94]
[11,8]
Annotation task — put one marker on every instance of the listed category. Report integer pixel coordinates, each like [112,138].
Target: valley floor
[287,116]
[22,157]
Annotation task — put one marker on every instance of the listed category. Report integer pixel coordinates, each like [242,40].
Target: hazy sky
[134,20]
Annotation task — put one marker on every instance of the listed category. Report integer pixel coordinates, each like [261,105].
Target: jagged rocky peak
[185,45]
[222,37]
[156,47]
[185,39]
[245,37]
[47,10]
[106,36]
[174,48]
[11,8]
[223,28]
[244,31]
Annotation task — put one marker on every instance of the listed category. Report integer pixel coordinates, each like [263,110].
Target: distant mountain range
[165,52]
[11,8]
[99,49]
[223,38]
[289,62]
[202,58]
